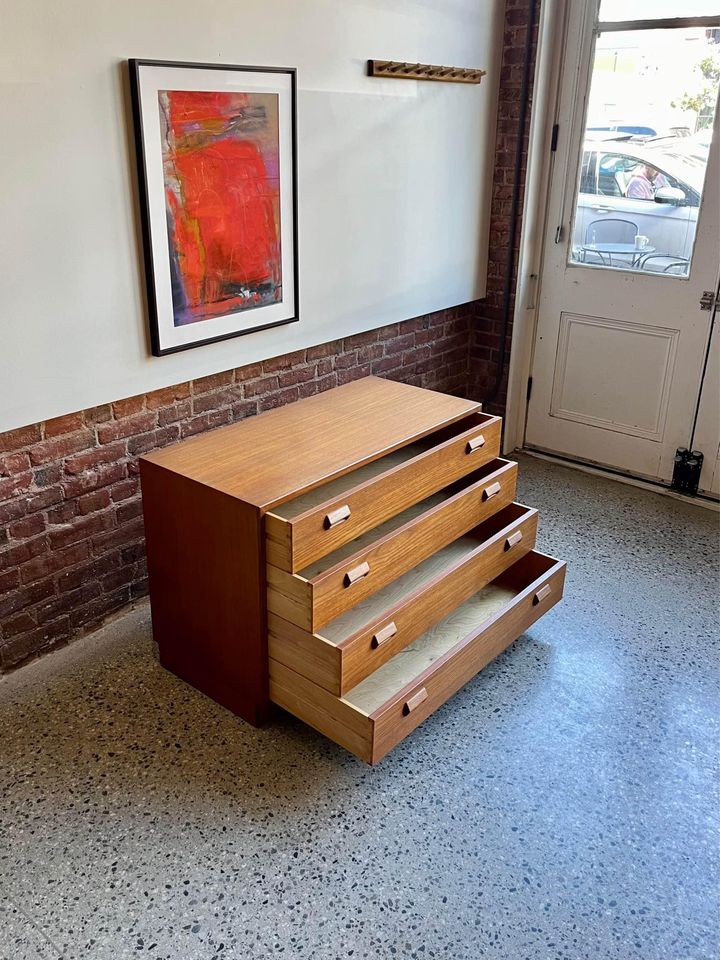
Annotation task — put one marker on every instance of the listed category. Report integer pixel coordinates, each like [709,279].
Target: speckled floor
[563,805]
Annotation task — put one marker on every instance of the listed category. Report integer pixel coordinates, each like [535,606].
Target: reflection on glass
[649,125]
[621,10]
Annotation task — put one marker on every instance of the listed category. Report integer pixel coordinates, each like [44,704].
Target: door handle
[601,209]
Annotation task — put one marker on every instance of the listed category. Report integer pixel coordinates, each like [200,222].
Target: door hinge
[559,234]
[529,390]
[554,137]
[687,470]
[708,301]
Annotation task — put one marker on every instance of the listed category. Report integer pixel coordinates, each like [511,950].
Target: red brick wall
[486,336]
[71,530]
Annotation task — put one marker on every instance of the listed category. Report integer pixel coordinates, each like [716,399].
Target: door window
[651,108]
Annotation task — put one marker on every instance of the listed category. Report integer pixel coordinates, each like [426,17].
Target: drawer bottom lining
[370,694]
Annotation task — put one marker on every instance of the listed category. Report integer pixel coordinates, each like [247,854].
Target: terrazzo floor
[563,805]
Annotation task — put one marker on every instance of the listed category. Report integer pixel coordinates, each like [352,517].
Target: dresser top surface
[269,458]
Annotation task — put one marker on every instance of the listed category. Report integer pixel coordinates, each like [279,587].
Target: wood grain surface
[279,454]
[454,669]
[301,531]
[354,557]
[414,541]
[374,717]
[204,562]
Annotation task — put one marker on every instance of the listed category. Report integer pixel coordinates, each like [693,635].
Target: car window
[616,170]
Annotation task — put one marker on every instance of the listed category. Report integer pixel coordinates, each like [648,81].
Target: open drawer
[384,708]
[327,588]
[314,524]
[354,645]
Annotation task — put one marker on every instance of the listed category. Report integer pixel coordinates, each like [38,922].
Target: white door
[633,241]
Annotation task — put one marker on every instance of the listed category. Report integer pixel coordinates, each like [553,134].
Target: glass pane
[614,11]
[651,108]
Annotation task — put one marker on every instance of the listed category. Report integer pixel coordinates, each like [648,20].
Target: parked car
[668,221]
[695,145]
[635,129]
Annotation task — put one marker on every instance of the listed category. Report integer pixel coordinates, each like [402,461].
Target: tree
[702,102]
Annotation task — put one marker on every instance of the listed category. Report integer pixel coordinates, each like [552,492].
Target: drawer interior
[404,668]
[340,485]
[394,523]
[368,610]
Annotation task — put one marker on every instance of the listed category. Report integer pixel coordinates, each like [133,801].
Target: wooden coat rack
[402,70]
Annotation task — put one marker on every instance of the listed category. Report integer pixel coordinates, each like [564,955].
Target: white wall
[394,179]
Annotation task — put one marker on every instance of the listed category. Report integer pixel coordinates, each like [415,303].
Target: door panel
[641,358]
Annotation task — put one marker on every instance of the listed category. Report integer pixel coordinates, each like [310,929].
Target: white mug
[641,242]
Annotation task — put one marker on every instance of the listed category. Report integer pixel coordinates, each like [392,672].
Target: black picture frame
[135,67]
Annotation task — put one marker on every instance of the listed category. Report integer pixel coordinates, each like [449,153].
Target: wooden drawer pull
[543,592]
[475,443]
[415,700]
[513,539]
[491,491]
[337,516]
[382,636]
[357,573]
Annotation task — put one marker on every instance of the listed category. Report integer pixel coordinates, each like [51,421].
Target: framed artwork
[216,152]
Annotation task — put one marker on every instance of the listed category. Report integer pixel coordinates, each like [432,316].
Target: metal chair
[609,230]
[665,263]
[612,230]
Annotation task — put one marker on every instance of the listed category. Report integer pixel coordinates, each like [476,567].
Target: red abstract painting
[222,190]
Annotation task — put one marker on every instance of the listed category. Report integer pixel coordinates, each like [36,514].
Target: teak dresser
[355,558]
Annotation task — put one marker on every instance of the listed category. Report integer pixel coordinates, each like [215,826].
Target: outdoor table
[618,249]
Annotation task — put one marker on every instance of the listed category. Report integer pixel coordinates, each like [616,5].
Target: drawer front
[306,653]
[537,587]
[292,544]
[399,717]
[313,603]
[342,664]
[318,708]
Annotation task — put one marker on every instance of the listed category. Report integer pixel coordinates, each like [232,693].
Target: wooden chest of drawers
[355,558]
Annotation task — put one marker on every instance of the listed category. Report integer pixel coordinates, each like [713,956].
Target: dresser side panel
[205,566]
